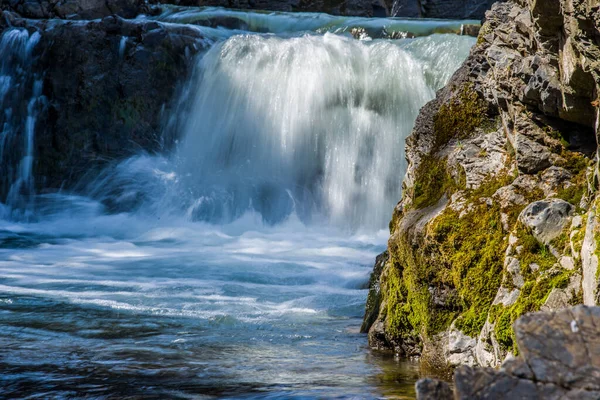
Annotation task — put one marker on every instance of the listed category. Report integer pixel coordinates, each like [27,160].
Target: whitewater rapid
[236,265]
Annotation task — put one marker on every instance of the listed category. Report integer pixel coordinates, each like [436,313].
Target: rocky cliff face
[454,9]
[93,9]
[105,85]
[462,9]
[498,216]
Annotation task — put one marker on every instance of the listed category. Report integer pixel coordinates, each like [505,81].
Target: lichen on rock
[498,212]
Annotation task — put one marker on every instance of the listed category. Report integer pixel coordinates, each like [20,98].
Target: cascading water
[235,266]
[21,101]
[311,125]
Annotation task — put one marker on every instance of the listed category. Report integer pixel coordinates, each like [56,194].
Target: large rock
[106,86]
[547,218]
[363,8]
[77,9]
[504,150]
[560,359]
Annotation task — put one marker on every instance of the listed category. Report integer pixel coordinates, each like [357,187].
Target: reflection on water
[397,377]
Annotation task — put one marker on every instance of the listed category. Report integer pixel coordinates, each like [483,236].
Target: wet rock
[546,218]
[101,106]
[363,8]
[78,9]
[224,22]
[377,337]
[432,389]
[374,297]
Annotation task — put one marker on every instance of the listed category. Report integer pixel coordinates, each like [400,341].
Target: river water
[235,266]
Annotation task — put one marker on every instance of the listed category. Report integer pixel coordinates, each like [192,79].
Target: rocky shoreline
[498,216]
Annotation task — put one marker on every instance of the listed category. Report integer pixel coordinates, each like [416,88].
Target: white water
[19,85]
[236,266]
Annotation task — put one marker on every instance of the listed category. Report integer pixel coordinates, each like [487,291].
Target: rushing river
[236,266]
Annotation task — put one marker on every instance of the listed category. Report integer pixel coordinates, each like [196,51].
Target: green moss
[398,309]
[535,291]
[472,247]
[459,117]
[460,256]
[432,181]
[533,295]
[485,30]
[574,162]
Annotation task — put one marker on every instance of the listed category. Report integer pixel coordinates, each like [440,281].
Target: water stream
[234,267]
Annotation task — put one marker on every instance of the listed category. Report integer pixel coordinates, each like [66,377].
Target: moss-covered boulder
[502,137]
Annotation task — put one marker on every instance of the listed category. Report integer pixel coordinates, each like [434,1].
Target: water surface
[235,266]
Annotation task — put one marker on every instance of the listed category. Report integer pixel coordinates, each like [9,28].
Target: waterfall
[21,101]
[311,125]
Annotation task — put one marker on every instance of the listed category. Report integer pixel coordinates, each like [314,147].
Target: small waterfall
[21,101]
[314,124]
[309,125]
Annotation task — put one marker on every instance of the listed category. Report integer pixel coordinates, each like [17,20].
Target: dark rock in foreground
[559,359]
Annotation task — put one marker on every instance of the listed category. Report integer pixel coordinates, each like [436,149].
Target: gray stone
[562,347]
[433,389]
[546,218]
[460,348]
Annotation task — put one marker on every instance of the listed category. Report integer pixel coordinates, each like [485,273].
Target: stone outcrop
[464,9]
[559,359]
[77,9]
[106,85]
[498,215]
[453,9]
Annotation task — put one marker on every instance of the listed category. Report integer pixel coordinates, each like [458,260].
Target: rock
[589,259]
[377,337]
[100,106]
[433,389]
[460,348]
[557,299]
[470,30]
[526,119]
[532,157]
[78,9]
[562,347]
[567,263]
[506,297]
[374,297]
[224,22]
[560,359]
[470,9]
[362,8]
[546,218]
